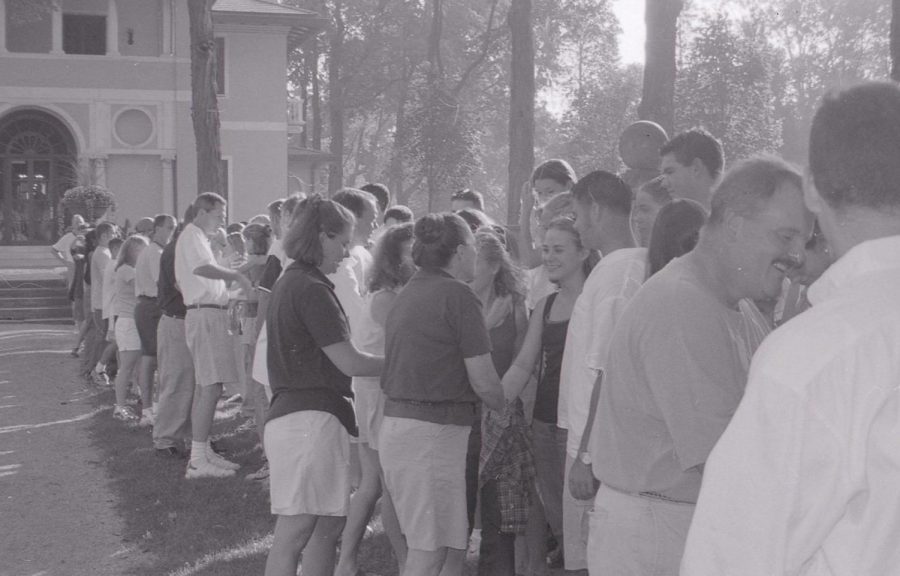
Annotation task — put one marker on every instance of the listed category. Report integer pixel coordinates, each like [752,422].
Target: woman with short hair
[437,366]
[310,419]
[125,329]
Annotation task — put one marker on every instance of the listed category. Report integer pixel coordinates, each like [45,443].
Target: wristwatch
[585,458]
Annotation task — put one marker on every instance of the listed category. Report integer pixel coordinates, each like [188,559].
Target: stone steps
[38,296]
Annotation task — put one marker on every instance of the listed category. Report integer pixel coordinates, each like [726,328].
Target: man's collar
[861,260]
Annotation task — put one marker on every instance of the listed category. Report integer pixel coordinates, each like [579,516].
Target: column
[168,183]
[2,26]
[56,25]
[112,29]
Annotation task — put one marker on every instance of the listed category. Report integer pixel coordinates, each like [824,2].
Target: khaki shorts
[368,401]
[126,332]
[309,464]
[211,346]
[425,472]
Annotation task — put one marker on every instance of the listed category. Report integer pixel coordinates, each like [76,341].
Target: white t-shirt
[612,283]
[193,250]
[350,287]
[64,246]
[805,480]
[109,289]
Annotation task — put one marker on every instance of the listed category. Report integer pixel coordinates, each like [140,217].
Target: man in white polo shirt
[203,284]
[805,479]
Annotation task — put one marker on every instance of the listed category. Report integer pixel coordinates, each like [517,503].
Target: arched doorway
[37,156]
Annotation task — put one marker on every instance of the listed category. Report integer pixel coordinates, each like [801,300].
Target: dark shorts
[146,316]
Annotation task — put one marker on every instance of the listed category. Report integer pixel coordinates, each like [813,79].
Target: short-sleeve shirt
[676,374]
[99,259]
[304,317]
[146,271]
[125,300]
[434,324]
[193,250]
[168,296]
[611,284]
[64,246]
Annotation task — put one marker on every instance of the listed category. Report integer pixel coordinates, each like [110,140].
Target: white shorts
[309,464]
[127,336]
[260,370]
[368,402]
[111,329]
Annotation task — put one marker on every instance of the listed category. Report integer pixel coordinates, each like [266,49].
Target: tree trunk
[434,77]
[316,105]
[658,97]
[336,100]
[204,104]
[395,169]
[521,105]
[895,41]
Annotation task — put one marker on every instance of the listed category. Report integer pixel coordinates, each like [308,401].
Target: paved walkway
[57,512]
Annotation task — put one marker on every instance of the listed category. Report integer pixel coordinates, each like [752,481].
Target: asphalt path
[57,511]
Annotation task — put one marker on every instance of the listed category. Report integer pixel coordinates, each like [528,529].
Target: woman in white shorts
[310,420]
[127,338]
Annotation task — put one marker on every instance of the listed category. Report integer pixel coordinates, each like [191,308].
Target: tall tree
[895,40]
[658,95]
[336,96]
[204,104]
[521,104]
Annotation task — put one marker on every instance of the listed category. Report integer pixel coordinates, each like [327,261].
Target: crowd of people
[700,374]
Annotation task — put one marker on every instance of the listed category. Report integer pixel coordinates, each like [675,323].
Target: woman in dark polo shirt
[437,366]
[310,420]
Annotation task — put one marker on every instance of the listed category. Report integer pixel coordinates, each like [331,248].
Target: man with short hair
[203,284]
[144,227]
[381,194]
[691,163]
[172,428]
[466,198]
[147,312]
[602,203]
[96,340]
[397,215]
[804,480]
[677,368]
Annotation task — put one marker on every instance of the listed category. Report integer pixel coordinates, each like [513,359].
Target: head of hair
[115,244]
[854,147]
[380,192]
[77,221]
[105,228]
[160,220]
[657,190]
[354,200]
[509,279]
[675,232]
[274,208]
[144,225]
[475,218]
[557,170]
[128,253]
[469,195]
[236,241]
[260,237]
[315,215]
[567,224]
[289,206]
[695,144]
[437,237]
[389,269]
[234,228]
[208,201]
[749,184]
[261,219]
[605,189]
[401,214]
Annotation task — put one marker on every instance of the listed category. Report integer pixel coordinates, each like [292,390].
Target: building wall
[144,19]
[136,181]
[258,166]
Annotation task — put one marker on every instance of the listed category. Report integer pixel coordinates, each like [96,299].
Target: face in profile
[771,243]
[334,249]
[643,215]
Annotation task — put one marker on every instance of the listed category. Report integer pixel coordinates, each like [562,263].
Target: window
[220,66]
[84,34]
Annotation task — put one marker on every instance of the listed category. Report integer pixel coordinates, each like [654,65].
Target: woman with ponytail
[310,419]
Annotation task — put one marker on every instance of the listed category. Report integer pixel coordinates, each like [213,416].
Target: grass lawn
[218,527]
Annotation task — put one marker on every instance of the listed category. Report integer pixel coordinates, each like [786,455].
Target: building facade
[102,88]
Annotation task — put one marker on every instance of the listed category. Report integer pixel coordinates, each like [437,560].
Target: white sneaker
[206,469]
[217,460]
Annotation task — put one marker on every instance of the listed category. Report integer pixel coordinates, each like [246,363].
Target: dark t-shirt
[168,296]
[305,316]
[271,272]
[434,324]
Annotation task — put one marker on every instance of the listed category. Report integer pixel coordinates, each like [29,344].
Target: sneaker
[100,379]
[260,474]
[205,469]
[217,460]
[171,453]
[124,414]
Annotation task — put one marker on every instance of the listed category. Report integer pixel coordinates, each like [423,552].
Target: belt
[143,297]
[214,306]
[175,316]
[651,496]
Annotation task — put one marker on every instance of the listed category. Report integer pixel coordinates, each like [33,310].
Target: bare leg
[145,381]
[392,527]
[291,535]
[425,563]
[128,360]
[361,507]
[318,556]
